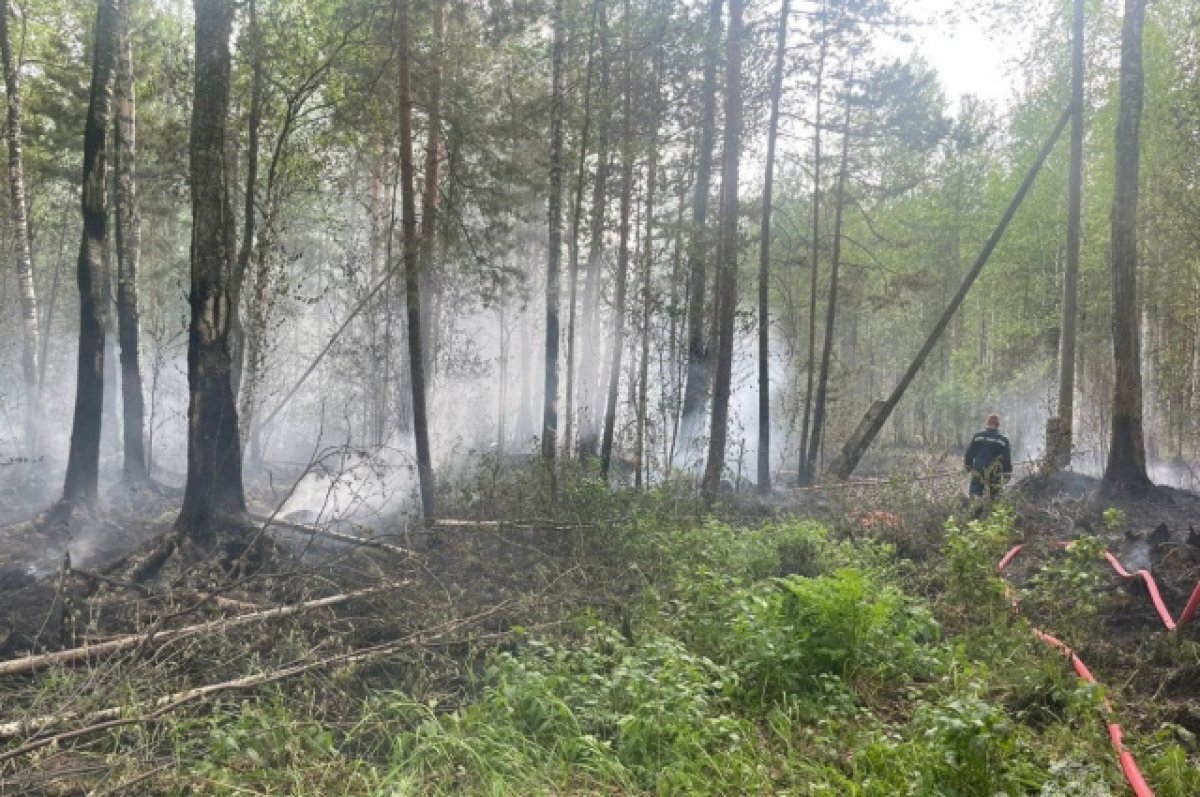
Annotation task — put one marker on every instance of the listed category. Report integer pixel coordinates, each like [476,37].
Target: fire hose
[1128,765]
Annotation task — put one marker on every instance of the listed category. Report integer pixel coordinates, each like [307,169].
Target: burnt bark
[213,495]
[1126,468]
[83,464]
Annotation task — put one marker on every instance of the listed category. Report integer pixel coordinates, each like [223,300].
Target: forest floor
[113,681]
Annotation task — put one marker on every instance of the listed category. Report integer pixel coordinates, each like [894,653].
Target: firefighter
[989,459]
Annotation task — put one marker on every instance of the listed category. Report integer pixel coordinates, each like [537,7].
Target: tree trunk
[727,282]
[764,263]
[589,427]
[618,309]
[818,424]
[129,236]
[1059,444]
[412,269]
[213,494]
[1126,469]
[805,475]
[576,217]
[83,465]
[250,206]
[553,265]
[430,283]
[640,458]
[698,369]
[22,241]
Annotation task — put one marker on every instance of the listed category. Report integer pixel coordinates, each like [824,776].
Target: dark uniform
[989,458]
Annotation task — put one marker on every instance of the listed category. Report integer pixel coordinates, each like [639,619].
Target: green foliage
[1066,593]
[972,555]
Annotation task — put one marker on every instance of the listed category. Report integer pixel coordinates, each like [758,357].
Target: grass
[779,659]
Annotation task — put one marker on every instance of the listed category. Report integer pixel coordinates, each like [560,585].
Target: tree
[83,464]
[818,421]
[764,261]
[22,241]
[698,370]
[412,283]
[213,494]
[1126,468]
[129,235]
[553,266]
[726,297]
[618,310]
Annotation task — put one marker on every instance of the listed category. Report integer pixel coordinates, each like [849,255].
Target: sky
[970,58]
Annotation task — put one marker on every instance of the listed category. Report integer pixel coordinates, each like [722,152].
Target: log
[330,533]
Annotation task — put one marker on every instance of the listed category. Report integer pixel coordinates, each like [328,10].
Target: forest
[571,396]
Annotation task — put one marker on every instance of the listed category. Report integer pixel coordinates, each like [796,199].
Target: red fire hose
[1128,765]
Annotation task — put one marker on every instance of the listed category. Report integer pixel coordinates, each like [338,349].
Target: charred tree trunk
[764,263]
[818,423]
[83,465]
[618,309]
[727,282]
[22,241]
[1126,469]
[129,237]
[698,369]
[412,268]
[213,494]
[553,265]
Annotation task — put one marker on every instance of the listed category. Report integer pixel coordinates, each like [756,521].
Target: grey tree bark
[553,265]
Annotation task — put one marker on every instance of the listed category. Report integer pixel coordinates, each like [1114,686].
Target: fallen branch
[330,533]
[72,655]
[111,717]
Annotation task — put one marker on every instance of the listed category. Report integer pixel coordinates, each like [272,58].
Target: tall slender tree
[1060,443]
[553,265]
[129,236]
[213,495]
[427,249]
[698,369]
[728,252]
[83,463]
[412,283]
[618,310]
[764,259]
[22,241]
[1126,468]
[818,424]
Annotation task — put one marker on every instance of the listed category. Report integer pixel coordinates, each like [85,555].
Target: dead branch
[85,652]
[304,528]
[111,717]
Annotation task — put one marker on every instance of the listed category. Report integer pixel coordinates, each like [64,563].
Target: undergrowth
[779,659]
